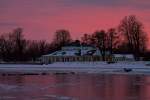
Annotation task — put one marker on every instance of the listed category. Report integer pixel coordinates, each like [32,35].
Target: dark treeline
[14,47]
[128,37]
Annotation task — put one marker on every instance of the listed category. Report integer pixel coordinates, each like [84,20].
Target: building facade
[74,54]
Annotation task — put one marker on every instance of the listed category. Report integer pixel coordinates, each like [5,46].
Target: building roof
[76,52]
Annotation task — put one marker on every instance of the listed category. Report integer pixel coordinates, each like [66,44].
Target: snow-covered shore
[79,67]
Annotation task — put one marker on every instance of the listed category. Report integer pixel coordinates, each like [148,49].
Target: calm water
[75,87]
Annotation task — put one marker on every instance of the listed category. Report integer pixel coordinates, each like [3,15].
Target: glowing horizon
[41,18]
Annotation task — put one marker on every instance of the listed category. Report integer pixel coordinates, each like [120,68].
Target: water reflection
[75,87]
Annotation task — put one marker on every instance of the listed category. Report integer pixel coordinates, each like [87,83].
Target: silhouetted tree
[3,47]
[62,37]
[86,39]
[113,39]
[134,34]
[37,48]
[44,47]
[19,43]
[100,39]
[7,47]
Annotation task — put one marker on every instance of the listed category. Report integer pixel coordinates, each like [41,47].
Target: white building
[77,52]
[74,53]
[123,57]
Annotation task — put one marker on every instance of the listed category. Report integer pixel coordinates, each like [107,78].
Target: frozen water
[75,87]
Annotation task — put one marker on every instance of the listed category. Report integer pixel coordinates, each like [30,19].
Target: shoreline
[77,67]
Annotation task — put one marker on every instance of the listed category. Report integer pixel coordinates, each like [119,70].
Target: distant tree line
[14,47]
[128,37]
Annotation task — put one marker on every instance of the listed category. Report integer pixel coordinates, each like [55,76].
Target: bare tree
[37,48]
[43,47]
[32,50]
[13,45]
[134,34]
[113,39]
[6,46]
[19,43]
[85,39]
[100,39]
[61,37]
[3,50]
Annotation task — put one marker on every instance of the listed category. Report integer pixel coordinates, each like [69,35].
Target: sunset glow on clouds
[41,18]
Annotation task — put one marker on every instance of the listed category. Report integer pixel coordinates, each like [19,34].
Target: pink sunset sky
[41,18]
